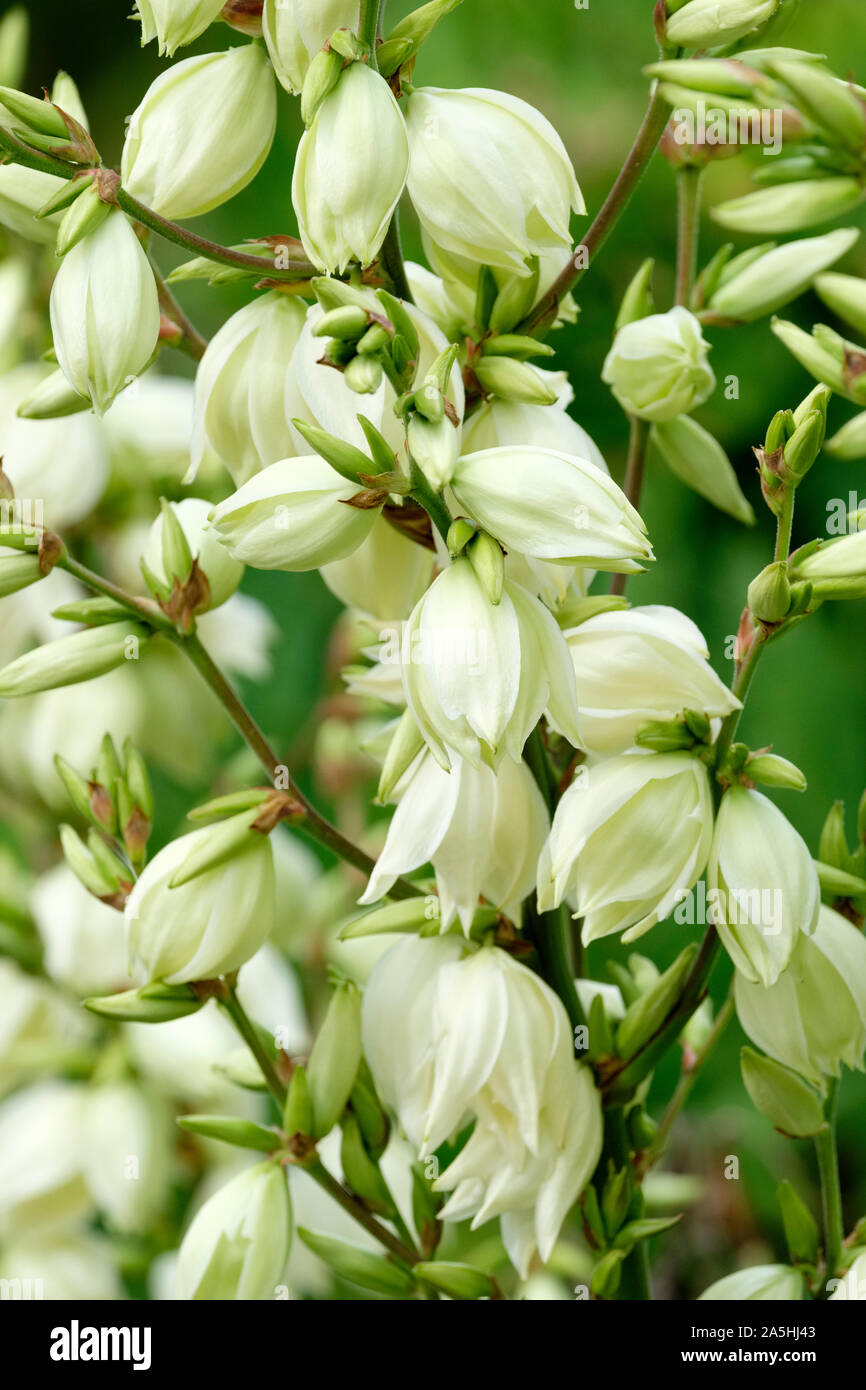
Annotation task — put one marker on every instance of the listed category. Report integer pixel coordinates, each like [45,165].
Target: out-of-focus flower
[201,132]
[478,675]
[658,368]
[238,1244]
[482,831]
[350,170]
[489,176]
[612,849]
[222,571]
[126,1154]
[814,1017]
[638,665]
[239,408]
[449,1037]
[105,312]
[384,577]
[41,1183]
[761,1282]
[58,468]
[84,943]
[62,1267]
[38,1026]
[765,885]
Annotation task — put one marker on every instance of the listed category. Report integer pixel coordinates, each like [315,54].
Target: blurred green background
[582,68]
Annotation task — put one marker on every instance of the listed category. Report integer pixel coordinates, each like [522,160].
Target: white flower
[350,170]
[175,22]
[38,1022]
[478,676]
[208,925]
[385,577]
[294,515]
[41,1184]
[239,385]
[238,1244]
[451,1037]
[296,30]
[201,132]
[658,368]
[105,312]
[765,883]
[551,506]
[222,571]
[814,1017]
[482,830]
[852,1285]
[149,427]
[638,665]
[60,464]
[760,1282]
[22,193]
[83,939]
[630,835]
[488,175]
[127,1154]
[64,1267]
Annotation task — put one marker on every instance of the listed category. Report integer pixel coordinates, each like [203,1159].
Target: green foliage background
[582,68]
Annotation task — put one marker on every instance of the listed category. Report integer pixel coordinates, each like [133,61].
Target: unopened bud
[143,1006]
[789,1103]
[349,321]
[84,216]
[360,1266]
[68,660]
[801,1228]
[455,1280]
[770,770]
[364,375]
[790,207]
[488,562]
[334,1059]
[513,381]
[638,301]
[770,593]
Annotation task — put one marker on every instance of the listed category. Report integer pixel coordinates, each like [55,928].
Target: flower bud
[359,1266]
[645,1016]
[456,1280]
[14,33]
[711,23]
[772,771]
[435,448]
[335,1058]
[202,132]
[237,1246]
[814,1017]
[789,1103]
[174,23]
[790,207]
[79,657]
[105,312]
[637,302]
[846,296]
[209,925]
[364,375]
[22,193]
[836,569]
[489,177]
[487,560]
[628,800]
[762,885]
[775,1282]
[350,170]
[657,367]
[801,1228]
[222,570]
[780,275]
[827,356]
[86,214]
[549,505]
[509,380]
[18,572]
[831,104]
[296,31]
[52,399]
[295,515]
[770,593]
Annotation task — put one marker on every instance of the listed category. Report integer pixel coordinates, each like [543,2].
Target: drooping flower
[657,367]
[238,1243]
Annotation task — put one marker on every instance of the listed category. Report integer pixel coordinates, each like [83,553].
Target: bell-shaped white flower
[82,938]
[208,925]
[202,131]
[629,837]
[450,1037]
[238,1244]
[852,1285]
[105,312]
[64,463]
[637,665]
[764,885]
[296,30]
[127,1154]
[41,1183]
[239,387]
[350,170]
[222,571]
[658,368]
[22,193]
[758,1283]
[482,830]
[552,506]
[489,176]
[38,1022]
[294,515]
[814,1017]
[477,675]
[174,23]
[502,424]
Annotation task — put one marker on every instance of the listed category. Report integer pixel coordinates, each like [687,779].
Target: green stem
[189,340]
[831,1192]
[634,1281]
[542,317]
[549,932]
[431,501]
[242,1022]
[634,474]
[141,607]
[686,1082]
[740,687]
[314,823]
[368,25]
[689,181]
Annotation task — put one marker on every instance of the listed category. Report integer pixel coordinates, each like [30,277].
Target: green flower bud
[801,1228]
[19,572]
[335,1057]
[68,660]
[349,322]
[770,770]
[665,736]
[836,569]
[780,275]
[296,32]
[364,375]
[231,1129]
[832,847]
[789,1103]
[638,301]
[455,1280]
[790,207]
[86,214]
[828,357]
[770,593]
[711,23]
[367,1109]
[142,1006]
[719,76]
[488,562]
[846,296]
[836,883]
[36,113]
[849,442]
[83,864]
[699,461]
[137,779]
[513,381]
[831,104]
[516,345]
[607,1274]
[406,743]
[360,1171]
[650,1009]
[238,1244]
[52,399]
[298,1109]
[515,300]
[359,1266]
[14,34]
